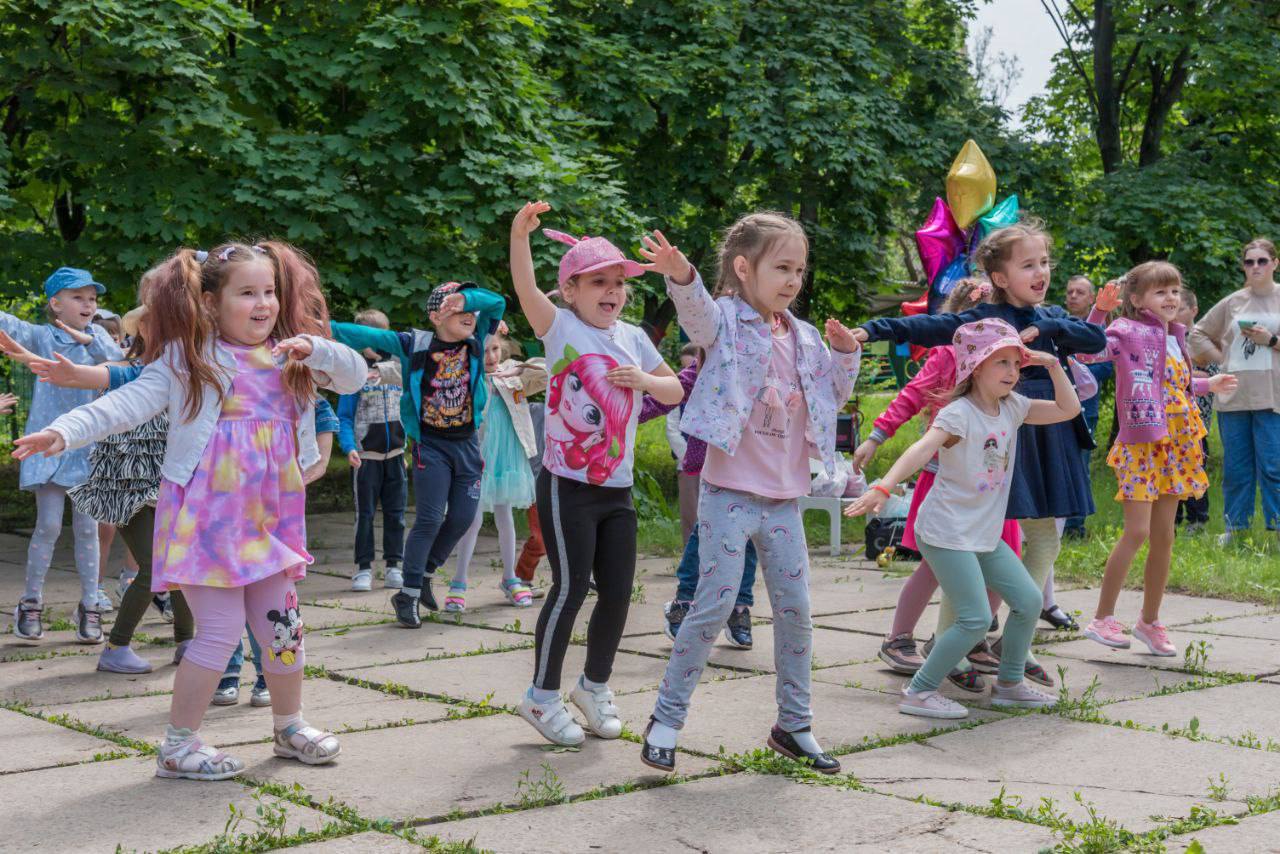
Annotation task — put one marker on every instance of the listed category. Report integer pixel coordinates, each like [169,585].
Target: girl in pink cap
[599,369]
[958,527]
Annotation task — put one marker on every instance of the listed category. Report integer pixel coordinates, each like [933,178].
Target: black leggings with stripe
[590,534]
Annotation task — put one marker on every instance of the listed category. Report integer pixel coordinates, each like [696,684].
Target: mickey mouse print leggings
[726,520]
[269,606]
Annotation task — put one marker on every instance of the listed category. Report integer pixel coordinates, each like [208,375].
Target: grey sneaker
[261,695]
[226,696]
[394,579]
[104,603]
[901,655]
[362,581]
[88,625]
[26,621]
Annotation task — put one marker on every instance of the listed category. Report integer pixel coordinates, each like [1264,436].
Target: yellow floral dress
[1175,464]
[242,516]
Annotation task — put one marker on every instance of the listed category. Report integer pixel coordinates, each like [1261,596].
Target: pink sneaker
[1155,636]
[1108,631]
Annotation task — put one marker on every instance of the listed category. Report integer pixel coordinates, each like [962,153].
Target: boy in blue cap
[72,302]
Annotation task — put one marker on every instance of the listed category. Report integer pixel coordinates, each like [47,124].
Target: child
[506,443]
[72,297]
[768,392]
[1050,481]
[372,437]
[738,626]
[441,413]
[599,368]
[958,528]
[929,390]
[1195,511]
[230,516]
[1157,458]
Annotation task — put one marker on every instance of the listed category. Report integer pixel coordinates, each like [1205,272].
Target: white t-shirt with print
[965,508]
[590,423]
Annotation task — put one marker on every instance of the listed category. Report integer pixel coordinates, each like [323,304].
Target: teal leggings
[964,577]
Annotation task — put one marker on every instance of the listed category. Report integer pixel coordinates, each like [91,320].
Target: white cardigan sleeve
[336,366]
[128,406]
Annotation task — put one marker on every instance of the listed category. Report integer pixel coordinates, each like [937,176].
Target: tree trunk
[71,216]
[1165,92]
[1107,131]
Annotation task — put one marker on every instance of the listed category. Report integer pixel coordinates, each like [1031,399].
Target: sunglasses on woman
[1256,262]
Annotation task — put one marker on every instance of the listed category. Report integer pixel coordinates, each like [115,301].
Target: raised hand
[666,259]
[7,403]
[860,335]
[59,370]
[450,305]
[1029,334]
[297,348]
[841,337]
[1108,299]
[45,442]
[1041,359]
[80,337]
[14,350]
[872,501]
[1223,383]
[526,222]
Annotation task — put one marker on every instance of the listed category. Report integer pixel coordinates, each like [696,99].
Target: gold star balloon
[971,185]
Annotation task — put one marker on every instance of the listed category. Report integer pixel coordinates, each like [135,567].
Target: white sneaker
[599,710]
[394,579]
[931,704]
[104,601]
[552,720]
[362,581]
[1021,696]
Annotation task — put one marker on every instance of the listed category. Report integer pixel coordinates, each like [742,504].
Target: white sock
[807,742]
[542,695]
[175,737]
[661,735]
[282,721]
[593,687]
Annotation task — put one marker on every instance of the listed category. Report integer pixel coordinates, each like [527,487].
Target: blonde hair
[752,236]
[373,317]
[995,250]
[1259,243]
[1142,278]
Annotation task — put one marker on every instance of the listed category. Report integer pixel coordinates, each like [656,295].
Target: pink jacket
[937,376]
[1137,348]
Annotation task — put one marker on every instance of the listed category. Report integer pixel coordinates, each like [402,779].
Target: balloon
[1003,214]
[918,306]
[971,185]
[939,241]
[946,281]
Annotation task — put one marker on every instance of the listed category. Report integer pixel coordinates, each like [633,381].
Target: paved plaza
[1142,752]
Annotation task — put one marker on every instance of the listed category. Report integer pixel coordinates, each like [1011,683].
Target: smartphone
[1245,324]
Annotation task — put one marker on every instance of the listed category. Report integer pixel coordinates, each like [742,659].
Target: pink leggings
[269,606]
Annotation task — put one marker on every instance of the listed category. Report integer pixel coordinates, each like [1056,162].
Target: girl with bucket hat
[599,368]
[958,528]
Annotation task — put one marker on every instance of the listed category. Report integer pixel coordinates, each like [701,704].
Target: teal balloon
[1003,214]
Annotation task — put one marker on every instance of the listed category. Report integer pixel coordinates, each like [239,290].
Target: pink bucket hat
[590,254]
[974,342]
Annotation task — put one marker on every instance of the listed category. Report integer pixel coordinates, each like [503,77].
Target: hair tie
[980,291]
[261,250]
[201,256]
[226,253]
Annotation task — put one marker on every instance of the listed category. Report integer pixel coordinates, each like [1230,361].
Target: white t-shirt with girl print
[590,424]
[965,508]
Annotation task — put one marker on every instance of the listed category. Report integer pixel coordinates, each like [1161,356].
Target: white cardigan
[162,387]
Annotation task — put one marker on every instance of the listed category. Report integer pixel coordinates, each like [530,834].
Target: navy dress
[1050,477]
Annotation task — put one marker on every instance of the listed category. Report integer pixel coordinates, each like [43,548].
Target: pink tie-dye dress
[242,516]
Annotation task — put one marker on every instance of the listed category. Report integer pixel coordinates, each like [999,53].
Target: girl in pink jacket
[1157,456]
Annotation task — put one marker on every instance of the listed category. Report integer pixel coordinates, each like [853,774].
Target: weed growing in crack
[1195,658]
[543,791]
[1218,790]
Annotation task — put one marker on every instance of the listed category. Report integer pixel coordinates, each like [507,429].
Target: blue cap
[70,277]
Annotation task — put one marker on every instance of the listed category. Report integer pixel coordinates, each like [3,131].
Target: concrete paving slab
[359,843]
[1262,626]
[1176,610]
[1244,710]
[362,646]
[315,618]
[830,648]
[1256,833]
[1249,656]
[66,679]
[27,743]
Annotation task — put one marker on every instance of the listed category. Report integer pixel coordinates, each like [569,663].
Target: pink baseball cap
[974,342]
[590,254]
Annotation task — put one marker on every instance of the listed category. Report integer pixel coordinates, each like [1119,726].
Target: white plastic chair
[829,505]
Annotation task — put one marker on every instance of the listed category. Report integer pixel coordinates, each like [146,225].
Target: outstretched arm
[914,459]
[695,309]
[536,306]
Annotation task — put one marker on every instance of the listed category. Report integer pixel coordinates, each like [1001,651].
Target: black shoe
[738,630]
[662,758]
[428,598]
[1060,619]
[784,742]
[1074,533]
[406,610]
[676,612]
[995,624]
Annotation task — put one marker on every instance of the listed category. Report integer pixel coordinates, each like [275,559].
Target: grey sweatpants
[726,519]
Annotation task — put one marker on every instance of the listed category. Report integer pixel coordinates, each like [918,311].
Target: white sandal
[319,747]
[196,760]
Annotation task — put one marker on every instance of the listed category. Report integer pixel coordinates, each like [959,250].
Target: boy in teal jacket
[441,410]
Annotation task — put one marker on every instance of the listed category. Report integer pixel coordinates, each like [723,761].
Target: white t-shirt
[965,508]
[590,423]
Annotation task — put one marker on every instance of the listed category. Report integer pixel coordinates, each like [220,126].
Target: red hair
[176,314]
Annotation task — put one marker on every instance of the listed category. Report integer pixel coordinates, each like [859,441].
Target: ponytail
[175,315]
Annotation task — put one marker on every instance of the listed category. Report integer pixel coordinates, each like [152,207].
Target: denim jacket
[50,401]
[739,345]
[162,386]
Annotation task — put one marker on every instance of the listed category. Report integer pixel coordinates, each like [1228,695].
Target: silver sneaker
[362,581]
[226,696]
[260,697]
[394,579]
[88,625]
[27,624]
